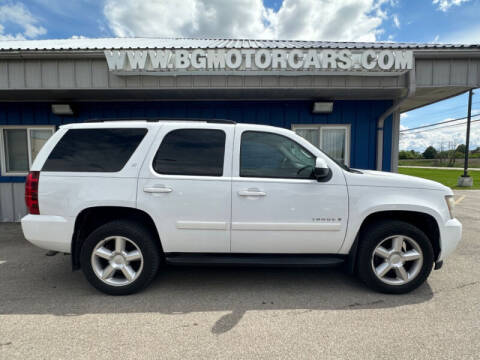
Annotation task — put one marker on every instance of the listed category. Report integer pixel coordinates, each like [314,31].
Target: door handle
[158,189]
[251,193]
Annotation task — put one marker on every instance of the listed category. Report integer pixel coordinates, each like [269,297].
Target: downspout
[381,120]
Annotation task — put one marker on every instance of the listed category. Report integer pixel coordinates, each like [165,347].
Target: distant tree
[461,148]
[475,153]
[443,154]
[403,154]
[415,154]
[430,152]
[409,154]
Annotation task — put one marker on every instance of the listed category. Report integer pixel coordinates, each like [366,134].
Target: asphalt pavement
[49,312]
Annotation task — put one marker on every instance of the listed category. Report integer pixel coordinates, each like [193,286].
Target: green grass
[472,163]
[446,177]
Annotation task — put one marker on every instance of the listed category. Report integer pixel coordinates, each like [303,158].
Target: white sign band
[241,60]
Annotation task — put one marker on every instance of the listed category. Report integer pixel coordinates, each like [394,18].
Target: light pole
[466,180]
[467,142]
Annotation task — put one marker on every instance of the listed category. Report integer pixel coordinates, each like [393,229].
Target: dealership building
[344,97]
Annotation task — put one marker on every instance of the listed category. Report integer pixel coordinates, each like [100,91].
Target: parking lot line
[460,199]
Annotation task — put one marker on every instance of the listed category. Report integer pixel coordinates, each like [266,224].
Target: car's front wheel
[394,257]
[120,258]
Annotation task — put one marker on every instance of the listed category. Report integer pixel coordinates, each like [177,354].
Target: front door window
[270,155]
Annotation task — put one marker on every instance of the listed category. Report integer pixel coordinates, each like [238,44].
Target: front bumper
[48,231]
[450,236]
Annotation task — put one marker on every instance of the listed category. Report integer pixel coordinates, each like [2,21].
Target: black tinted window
[94,150]
[270,155]
[191,152]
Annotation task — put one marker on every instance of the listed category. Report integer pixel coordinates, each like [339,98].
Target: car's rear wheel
[120,258]
[394,257]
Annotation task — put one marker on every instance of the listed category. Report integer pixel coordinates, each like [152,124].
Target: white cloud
[346,20]
[396,21]
[446,137]
[444,5]
[20,16]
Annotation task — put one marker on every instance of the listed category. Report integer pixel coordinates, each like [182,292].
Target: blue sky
[340,20]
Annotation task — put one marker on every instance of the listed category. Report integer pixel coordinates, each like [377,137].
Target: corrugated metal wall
[362,115]
[12,203]
[94,74]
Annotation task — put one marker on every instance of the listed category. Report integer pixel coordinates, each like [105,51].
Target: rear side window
[191,152]
[94,150]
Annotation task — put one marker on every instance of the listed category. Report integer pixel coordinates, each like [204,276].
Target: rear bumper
[450,236]
[48,232]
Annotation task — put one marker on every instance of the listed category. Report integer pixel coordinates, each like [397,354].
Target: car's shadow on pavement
[36,284]
[239,290]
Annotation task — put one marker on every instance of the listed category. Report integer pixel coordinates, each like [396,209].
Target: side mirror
[321,172]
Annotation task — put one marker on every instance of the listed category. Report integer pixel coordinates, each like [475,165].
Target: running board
[298,260]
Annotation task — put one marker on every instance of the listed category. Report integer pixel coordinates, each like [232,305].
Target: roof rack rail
[215,121]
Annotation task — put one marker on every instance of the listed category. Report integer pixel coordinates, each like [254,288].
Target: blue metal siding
[387,139]
[361,115]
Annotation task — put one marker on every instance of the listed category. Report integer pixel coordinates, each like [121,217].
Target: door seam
[231,190]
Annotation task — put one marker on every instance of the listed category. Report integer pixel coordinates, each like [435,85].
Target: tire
[126,269]
[388,246]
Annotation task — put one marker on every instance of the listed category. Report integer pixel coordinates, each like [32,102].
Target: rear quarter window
[94,150]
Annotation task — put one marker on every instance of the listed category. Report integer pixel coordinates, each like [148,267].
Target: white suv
[125,197]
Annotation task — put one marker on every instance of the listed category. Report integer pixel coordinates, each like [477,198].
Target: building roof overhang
[100,44]
[76,70]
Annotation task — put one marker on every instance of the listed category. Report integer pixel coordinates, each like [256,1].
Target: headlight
[451,204]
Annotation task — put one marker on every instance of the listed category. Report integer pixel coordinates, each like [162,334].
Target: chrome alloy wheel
[397,260]
[117,261]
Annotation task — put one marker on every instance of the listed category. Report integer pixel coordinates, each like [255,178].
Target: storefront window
[310,134]
[38,138]
[332,139]
[20,146]
[16,150]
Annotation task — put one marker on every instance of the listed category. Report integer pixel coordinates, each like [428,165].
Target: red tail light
[31,192]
